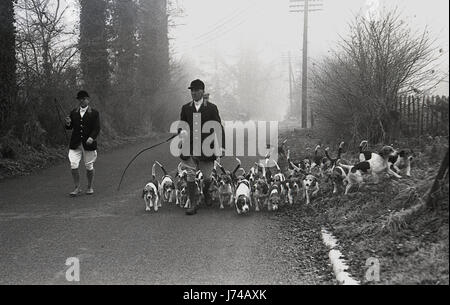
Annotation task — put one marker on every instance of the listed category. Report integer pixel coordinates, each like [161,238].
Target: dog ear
[143,193]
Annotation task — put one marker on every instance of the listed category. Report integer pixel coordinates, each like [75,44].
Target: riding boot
[90,178]
[206,194]
[76,181]
[192,197]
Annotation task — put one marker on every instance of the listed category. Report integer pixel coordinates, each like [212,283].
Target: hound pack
[264,188]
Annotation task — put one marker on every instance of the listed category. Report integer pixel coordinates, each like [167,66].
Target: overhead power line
[226,20]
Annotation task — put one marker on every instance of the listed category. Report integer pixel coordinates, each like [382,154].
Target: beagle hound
[310,184]
[150,193]
[168,188]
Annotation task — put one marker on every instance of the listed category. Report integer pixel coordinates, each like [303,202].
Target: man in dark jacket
[196,113]
[85,123]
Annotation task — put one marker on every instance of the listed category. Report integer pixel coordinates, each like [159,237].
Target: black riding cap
[197,84]
[82,94]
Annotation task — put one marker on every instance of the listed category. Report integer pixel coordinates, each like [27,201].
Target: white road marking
[339,265]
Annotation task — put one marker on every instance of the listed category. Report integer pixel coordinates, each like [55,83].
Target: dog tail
[341,149]
[264,169]
[237,166]
[179,168]
[338,163]
[220,166]
[162,168]
[244,173]
[281,147]
[276,164]
[316,151]
[363,145]
[154,170]
[294,167]
[288,157]
[327,154]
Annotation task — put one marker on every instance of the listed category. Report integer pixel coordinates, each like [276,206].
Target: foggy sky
[211,29]
[214,27]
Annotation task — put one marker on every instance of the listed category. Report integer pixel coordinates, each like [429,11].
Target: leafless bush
[46,53]
[355,89]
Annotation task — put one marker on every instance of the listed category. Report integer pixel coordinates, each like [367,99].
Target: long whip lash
[139,153]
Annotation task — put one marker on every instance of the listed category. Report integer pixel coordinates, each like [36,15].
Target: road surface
[117,242]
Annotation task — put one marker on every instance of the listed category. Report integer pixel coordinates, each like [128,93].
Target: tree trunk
[433,195]
[93,48]
[8,86]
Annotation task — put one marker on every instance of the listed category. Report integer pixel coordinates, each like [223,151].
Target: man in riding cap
[196,113]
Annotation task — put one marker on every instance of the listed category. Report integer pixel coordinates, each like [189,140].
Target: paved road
[118,243]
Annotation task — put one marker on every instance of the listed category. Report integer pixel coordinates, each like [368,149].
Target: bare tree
[93,46]
[46,53]
[357,87]
[248,90]
[45,46]
[7,62]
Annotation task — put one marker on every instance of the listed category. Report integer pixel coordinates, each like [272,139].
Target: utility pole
[305,68]
[291,103]
[305,7]
[287,59]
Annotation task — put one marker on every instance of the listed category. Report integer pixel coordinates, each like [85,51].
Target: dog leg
[391,172]
[177,197]
[151,203]
[335,188]
[376,178]
[397,170]
[314,194]
[147,208]
[408,170]
[221,199]
[231,203]
[156,204]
